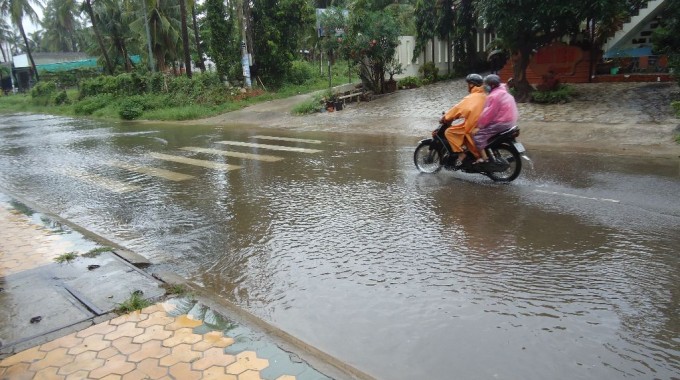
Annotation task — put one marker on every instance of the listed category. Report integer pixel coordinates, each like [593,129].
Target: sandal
[480,161]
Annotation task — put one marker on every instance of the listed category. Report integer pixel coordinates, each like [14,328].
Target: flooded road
[571,272]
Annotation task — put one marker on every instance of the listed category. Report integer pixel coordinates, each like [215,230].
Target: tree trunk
[520,62]
[185,36]
[28,49]
[433,50]
[2,49]
[90,12]
[201,62]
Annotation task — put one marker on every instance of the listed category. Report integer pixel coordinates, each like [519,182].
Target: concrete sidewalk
[59,320]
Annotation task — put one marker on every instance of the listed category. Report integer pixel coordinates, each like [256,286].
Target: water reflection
[402,275]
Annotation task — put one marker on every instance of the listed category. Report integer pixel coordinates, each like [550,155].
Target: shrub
[89,105]
[429,71]
[409,82]
[43,90]
[676,107]
[61,98]
[131,108]
[300,72]
[311,106]
[562,94]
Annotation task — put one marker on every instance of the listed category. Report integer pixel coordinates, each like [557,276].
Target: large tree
[222,37]
[371,44]
[185,36]
[87,7]
[16,10]
[277,29]
[666,38]
[522,29]
[61,25]
[425,13]
[5,36]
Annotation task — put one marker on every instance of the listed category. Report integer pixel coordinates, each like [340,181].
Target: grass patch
[179,99]
[562,94]
[97,251]
[310,106]
[66,257]
[677,139]
[175,289]
[134,302]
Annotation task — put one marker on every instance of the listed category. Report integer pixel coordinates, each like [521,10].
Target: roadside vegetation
[66,257]
[136,301]
[157,96]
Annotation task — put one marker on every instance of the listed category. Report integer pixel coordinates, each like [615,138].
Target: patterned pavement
[178,338]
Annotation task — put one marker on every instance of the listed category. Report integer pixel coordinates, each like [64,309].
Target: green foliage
[66,257]
[132,108]
[371,45]
[223,39]
[310,106]
[278,26]
[676,107]
[136,301]
[94,252]
[409,82]
[70,78]
[562,94]
[425,12]
[61,98]
[429,71]
[43,89]
[300,72]
[91,104]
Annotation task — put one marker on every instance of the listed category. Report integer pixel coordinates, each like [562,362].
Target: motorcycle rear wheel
[427,158]
[509,154]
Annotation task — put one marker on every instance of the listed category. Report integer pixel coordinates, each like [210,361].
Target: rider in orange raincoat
[469,109]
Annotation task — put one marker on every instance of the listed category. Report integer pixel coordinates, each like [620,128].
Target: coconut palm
[114,21]
[87,7]
[185,36]
[5,35]
[60,25]
[16,10]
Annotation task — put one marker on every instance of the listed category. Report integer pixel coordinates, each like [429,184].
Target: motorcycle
[504,151]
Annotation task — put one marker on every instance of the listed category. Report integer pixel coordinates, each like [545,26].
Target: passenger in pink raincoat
[499,114]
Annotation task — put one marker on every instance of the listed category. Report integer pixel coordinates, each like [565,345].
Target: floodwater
[571,272]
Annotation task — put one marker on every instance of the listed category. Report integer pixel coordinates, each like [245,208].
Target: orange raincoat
[469,109]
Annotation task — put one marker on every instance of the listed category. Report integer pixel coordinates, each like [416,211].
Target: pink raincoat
[500,113]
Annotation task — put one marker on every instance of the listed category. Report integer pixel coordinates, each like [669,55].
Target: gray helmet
[474,79]
[492,80]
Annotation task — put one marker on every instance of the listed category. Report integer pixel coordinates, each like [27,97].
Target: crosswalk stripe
[192,161]
[271,147]
[286,139]
[258,157]
[154,172]
[99,181]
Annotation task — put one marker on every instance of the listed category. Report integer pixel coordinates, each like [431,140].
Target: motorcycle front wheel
[506,154]
[427,158]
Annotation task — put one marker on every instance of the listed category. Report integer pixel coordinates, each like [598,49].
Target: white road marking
[258,157]
[192,161]
[99,181]
[286,139]
[154,172]
[577,196]
[271,147]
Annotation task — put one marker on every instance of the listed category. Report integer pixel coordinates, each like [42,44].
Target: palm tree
[185,36]
[5,35]
[60,25]
[87,7]
[114,26]
[17,10]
